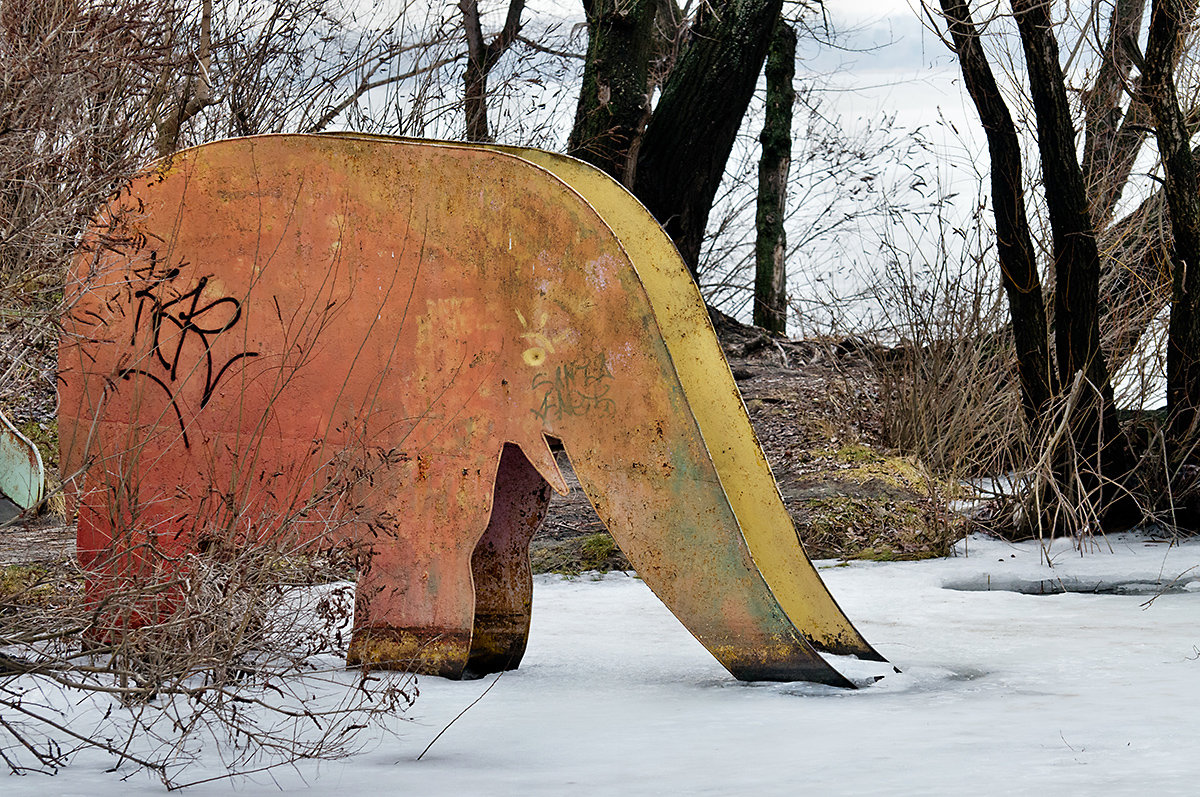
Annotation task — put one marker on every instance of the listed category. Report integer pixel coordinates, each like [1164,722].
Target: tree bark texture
[1167,28]
[481,57]
[1018,261]
[1114,139]
[770,244]
[692,130]
[1136,271]
[613,99]
[1076,256]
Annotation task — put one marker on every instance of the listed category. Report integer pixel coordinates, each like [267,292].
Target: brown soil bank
[813,405]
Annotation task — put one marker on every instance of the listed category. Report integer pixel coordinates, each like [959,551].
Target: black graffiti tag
[173,324]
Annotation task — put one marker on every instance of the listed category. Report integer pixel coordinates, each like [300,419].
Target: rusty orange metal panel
[295,336]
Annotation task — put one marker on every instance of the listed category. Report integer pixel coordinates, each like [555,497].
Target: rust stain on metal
[382,336]
[500,566]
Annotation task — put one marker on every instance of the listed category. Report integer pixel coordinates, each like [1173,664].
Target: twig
[88,740]
[459,715]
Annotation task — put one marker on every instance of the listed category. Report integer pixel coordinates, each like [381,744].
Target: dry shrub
[238,648]
[249,649]
[74,76]
[70,124]
[949,392]
[1061,489]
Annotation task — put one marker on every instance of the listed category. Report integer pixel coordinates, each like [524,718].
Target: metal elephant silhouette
[382,339]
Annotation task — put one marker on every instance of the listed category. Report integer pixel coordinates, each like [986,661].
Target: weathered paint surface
[306,336]
[717,406]
[22,477]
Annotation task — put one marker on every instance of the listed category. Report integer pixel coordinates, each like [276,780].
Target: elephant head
[286,334]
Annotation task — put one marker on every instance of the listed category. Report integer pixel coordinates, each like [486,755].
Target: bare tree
[177,104]
[1014,243]
[1167,30]
[269,66]
[76,121]
[1113,117]
[1098,439]
[1116,121]
[1091,454]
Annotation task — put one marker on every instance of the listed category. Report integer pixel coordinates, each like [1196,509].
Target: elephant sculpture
[387,337]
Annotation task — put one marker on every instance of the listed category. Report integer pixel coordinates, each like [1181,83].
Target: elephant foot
[424,651]
[497,644]
[500,566]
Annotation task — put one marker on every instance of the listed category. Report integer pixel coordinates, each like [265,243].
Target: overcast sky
[891,61]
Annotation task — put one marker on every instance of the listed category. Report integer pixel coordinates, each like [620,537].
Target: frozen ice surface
[1001,693]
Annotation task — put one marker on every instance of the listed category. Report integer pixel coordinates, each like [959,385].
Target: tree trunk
[691,133]
[1098,441]
[770,246]
[1113,140]
[481,57]
[1018,263]
[1135,277]
[1102,112]
[196,96]
[475,102]
[1167,27]
[613,99]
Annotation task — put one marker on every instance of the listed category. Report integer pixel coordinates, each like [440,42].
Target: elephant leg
[414,601]
[500,566]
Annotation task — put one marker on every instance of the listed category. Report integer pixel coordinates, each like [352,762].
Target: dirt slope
[813,405]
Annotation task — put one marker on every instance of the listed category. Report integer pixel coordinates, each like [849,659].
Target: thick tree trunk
[1097,437]
[1018,262]
[770,245]
[1167,27]
[691,133]
[613,99]
[475,102]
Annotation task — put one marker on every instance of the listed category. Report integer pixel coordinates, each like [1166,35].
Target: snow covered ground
[1001,693]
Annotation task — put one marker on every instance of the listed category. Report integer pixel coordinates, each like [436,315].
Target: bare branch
[367,85]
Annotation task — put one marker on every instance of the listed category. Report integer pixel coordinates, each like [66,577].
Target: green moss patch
[857,502]
[44,435]
[34,586]
[571,557]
